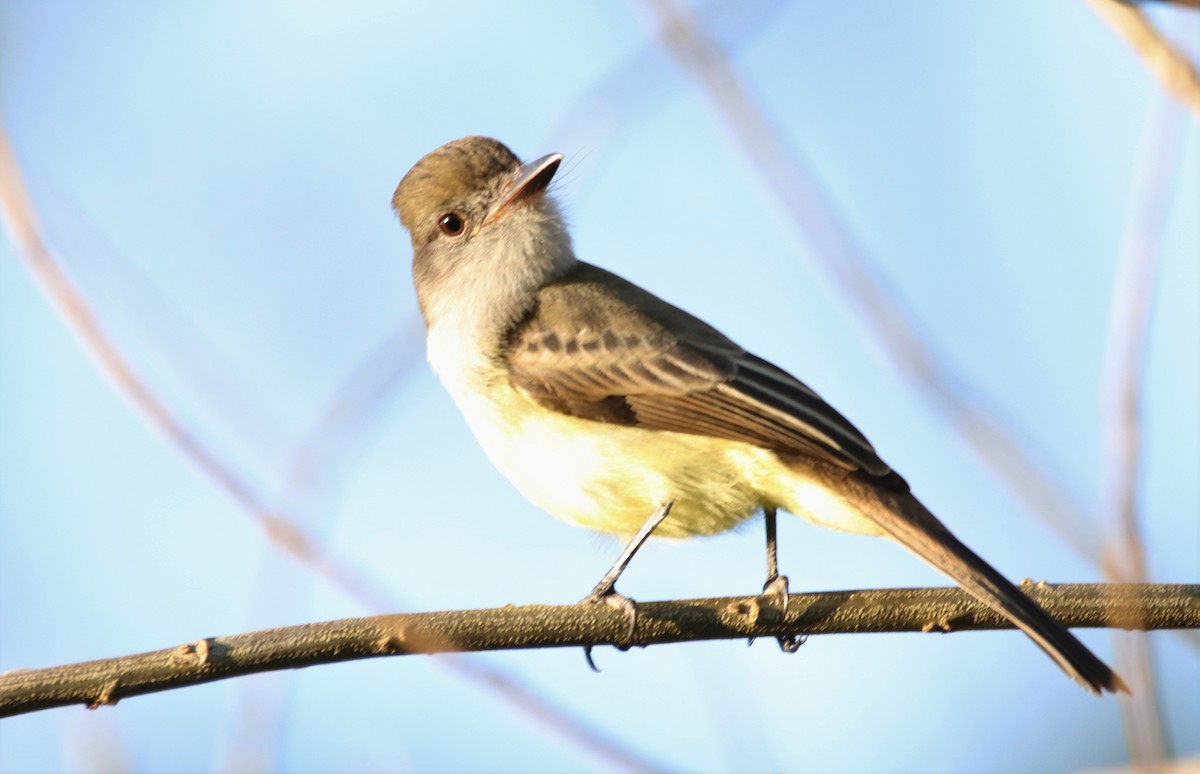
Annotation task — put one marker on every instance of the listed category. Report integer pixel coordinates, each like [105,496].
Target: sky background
[216,178]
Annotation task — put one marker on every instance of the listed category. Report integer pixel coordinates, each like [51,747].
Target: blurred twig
[135,308]
[628,93]
[1180,3]
[1188,765]
[20,220]
[1165,61]
[848,265]
[254,722]
[355,401]
[96,683]
[1125,351]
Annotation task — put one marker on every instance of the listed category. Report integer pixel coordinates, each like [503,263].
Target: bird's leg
[777,585]
[606,592]
[606,587]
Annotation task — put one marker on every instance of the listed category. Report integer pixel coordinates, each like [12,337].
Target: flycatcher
[614,410]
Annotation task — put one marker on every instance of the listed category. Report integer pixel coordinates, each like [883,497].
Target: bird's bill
[532,180]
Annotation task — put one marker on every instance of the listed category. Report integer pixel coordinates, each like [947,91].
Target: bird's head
[482,226]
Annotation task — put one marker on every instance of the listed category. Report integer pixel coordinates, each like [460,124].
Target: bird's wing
[623,355]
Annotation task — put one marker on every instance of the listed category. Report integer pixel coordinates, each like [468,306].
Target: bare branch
[95,683]
[1166,62]
[1180,3]
[1125,353]
[20,219]
[854,273]
[637,87]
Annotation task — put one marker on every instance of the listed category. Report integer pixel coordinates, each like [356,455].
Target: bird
[616,411]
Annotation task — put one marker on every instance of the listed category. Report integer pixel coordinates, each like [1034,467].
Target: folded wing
[598,347]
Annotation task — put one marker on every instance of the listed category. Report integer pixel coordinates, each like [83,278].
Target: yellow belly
[610,477]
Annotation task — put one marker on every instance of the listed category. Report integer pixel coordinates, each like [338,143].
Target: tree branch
[1167,62]
[1121,393]
[95,683]
[19,218]
[856,275]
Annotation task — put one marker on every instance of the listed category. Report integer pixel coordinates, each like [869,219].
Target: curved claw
[777,587]
[790,643]
[606,592]
[587,654]
[609,596]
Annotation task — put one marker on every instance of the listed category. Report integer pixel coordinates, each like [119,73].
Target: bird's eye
[451,224]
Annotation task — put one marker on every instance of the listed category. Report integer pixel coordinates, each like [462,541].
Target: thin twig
[1180,3]
[96,683]
[639,85]
[254,722]
[356,400]
[1125,355]
[848,264]
[20,220]
[1165,61]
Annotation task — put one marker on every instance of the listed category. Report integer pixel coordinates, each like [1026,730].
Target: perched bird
[614,410]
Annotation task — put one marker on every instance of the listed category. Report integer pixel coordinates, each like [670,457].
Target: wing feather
[598,347]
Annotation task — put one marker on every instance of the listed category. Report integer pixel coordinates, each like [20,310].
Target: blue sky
[216,177]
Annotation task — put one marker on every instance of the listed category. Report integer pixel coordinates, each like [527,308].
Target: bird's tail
[905,519]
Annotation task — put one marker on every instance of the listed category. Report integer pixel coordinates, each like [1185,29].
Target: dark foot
[605,594]
[776,589]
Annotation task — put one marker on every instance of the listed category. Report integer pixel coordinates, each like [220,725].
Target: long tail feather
[905,519]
